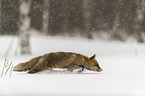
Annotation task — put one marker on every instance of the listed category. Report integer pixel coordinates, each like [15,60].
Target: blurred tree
[9,16]
[115,34]
[127,16]
[65,14]
[140,12]
[46,14]
[24,26]
[87,16]
[36,14]
[56,17]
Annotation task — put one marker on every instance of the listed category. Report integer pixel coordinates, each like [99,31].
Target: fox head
[93,65]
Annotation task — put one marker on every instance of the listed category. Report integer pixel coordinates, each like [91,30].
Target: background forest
[118,19]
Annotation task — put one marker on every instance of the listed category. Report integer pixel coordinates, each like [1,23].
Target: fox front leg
[72,67]
[81,70]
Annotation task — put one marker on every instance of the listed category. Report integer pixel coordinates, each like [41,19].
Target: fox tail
[27,65]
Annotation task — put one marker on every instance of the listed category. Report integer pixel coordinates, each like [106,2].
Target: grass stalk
[3,68]
[8,68]
[11,71]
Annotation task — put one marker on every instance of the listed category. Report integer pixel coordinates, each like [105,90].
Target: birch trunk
[24,26]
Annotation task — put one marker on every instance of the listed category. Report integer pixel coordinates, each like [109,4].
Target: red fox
[52,60]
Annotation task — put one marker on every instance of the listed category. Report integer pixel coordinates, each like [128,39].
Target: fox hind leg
[40,66]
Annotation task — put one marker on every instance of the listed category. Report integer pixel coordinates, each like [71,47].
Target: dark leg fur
[40,66]
[72,67]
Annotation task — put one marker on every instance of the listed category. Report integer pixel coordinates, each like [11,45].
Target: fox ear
[93,57]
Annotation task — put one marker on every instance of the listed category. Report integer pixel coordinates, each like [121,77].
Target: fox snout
[99,70]
[94,69]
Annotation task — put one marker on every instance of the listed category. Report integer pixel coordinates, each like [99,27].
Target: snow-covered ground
[123,66]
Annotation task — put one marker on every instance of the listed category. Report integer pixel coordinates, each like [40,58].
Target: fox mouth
[95,69]
[99,70]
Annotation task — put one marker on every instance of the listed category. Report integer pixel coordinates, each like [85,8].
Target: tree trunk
[45,25]
[24,26]
[140,12]
[65,15]
[87,17]
[116,33]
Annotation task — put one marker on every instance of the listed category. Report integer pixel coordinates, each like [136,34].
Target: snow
[123,66]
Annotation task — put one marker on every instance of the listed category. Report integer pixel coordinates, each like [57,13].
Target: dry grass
[7,68]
